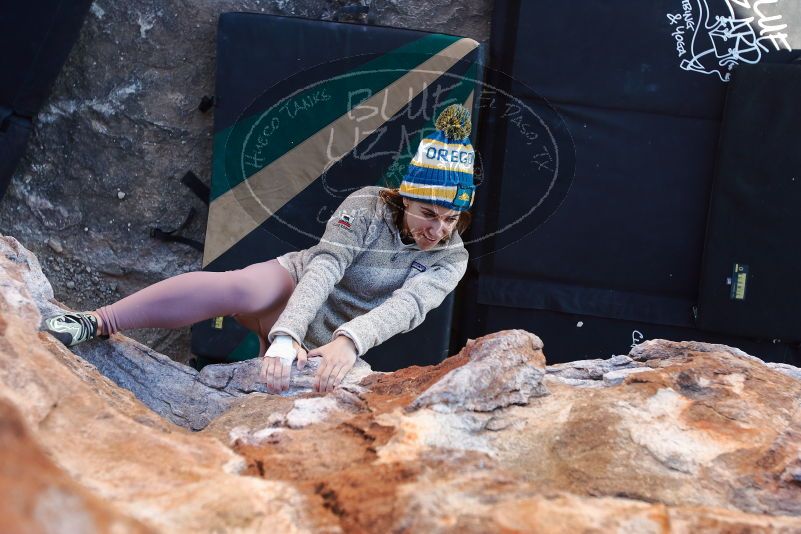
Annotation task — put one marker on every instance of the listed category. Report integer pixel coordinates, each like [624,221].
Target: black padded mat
[289,79]
[636,91]
[750,276]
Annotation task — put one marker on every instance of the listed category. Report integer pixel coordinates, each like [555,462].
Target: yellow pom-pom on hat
[454,121]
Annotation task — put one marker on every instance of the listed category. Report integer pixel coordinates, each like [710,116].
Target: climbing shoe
[72,328]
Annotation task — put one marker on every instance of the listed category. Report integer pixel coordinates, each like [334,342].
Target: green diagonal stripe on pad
[255,141]
[237,211]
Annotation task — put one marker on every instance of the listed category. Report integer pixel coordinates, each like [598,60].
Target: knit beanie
[441,172]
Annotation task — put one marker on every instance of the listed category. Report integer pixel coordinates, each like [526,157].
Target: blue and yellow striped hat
[442,170]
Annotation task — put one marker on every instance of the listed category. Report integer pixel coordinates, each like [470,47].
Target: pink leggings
[256,294]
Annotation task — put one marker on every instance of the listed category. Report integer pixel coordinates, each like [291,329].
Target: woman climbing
[387,257]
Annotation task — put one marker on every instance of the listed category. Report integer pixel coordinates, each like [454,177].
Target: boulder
[677,437]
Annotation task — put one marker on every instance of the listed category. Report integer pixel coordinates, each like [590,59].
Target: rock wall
[121,127]
[679,437]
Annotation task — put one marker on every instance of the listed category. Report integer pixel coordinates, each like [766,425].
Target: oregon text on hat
[447,156]
[443,154]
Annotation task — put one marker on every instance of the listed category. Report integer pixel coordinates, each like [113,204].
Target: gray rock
[503,369]
[175,391]
[169,388]
[578,382]
[471,19]
[183,395]
[55,244]
[620,360]
[111,269]
[658,349]
[243,377]
[588,373]
[594,373]
[785,368]
[613,378]
[36,283]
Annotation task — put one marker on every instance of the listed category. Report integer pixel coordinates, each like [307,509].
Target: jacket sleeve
[325,264]
[408,305]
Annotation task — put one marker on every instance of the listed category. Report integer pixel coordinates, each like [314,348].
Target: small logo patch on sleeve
[419,266]
[344,220]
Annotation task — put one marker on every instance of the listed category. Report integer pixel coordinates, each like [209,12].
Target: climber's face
[427,223]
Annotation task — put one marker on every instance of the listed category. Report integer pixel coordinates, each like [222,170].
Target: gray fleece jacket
[362,281]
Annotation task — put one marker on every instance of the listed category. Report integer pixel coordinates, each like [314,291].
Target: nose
[437,228]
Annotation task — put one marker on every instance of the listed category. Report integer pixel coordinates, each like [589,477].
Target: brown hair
[394,200]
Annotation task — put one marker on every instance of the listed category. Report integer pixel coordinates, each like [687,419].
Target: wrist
[282,347]
[342,338]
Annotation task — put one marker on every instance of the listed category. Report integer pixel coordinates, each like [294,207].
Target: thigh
[272,285]
[268,283]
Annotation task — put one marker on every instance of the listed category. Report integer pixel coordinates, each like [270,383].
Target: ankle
[100,325]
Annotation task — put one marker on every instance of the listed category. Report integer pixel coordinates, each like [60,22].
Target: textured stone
[503,369]
[470,18]
[45,498]
[703,428]
[593,373]
[787,369]
[613,378]
[471,504]
[243,377]
[678,437]
[657,349]
[171,389]
[118,451]
[56,245]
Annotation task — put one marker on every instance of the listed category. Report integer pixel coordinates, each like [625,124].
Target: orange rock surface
[674,437]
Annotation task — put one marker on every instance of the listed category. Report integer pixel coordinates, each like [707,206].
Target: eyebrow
[427,211]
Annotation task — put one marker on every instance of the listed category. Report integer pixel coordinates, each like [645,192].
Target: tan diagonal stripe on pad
[242,209]
[469,102]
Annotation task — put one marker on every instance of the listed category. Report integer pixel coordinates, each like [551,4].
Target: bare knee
[260,287]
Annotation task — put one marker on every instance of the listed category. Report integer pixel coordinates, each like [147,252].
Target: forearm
[325,265]
[309,295]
